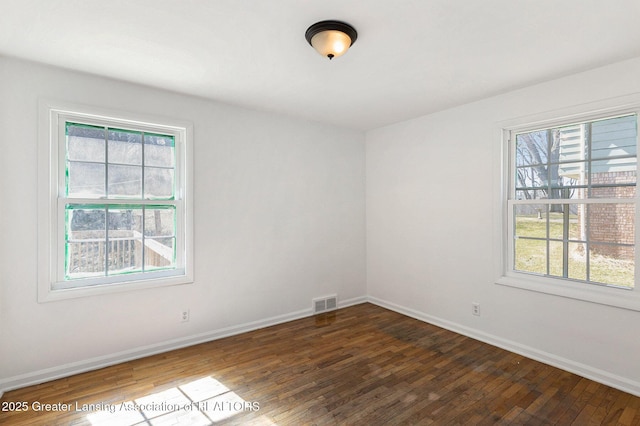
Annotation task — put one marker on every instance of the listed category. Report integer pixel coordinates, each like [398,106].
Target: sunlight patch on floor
[200,402]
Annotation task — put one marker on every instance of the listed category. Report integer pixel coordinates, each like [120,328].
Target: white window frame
[52,199]
[606,295]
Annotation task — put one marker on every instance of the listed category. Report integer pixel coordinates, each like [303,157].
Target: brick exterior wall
[612,223]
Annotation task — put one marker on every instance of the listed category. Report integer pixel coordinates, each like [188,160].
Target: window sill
[602,295]
[48,294]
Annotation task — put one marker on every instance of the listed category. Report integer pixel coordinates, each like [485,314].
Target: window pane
[125,147]
[532,148]
[577,226]
[125,181]
[577,261]
[613,179]
[84,259]
[125,240]
[614,137]
[555,258]
[159,253]
[570,142]
[605,169]
[531,220]
[611,223]
[532,182]
[159,231]
[125,221]
[159,150]
[530,256]
[85,241]
[85,180]
[612,264]
[613,192]
[158,183]
[159,222]
[85,143]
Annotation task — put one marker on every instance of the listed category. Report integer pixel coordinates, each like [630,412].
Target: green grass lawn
[531,254]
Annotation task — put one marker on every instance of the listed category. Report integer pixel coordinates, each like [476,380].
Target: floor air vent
[325,304]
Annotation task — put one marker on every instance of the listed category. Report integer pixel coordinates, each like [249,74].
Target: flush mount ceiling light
[331,38]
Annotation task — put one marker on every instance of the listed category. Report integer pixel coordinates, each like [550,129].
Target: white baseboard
[583,370]
[83,366]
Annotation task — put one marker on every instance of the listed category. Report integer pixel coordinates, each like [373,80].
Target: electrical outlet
[475,309]
[184,315]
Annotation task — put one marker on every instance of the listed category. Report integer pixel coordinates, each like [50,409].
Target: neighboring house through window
[571,206]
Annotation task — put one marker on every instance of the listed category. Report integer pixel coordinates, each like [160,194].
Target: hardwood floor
[363,365]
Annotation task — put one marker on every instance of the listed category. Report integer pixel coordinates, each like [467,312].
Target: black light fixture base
[331,25]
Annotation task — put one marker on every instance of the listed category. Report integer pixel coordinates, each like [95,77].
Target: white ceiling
[412,57]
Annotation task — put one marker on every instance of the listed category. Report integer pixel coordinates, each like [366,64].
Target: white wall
[433,197]
[279,220]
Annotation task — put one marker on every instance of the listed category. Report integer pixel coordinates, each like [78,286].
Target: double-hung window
[571,203]
[116,214]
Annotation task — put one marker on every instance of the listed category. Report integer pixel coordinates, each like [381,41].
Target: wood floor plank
[362,365]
